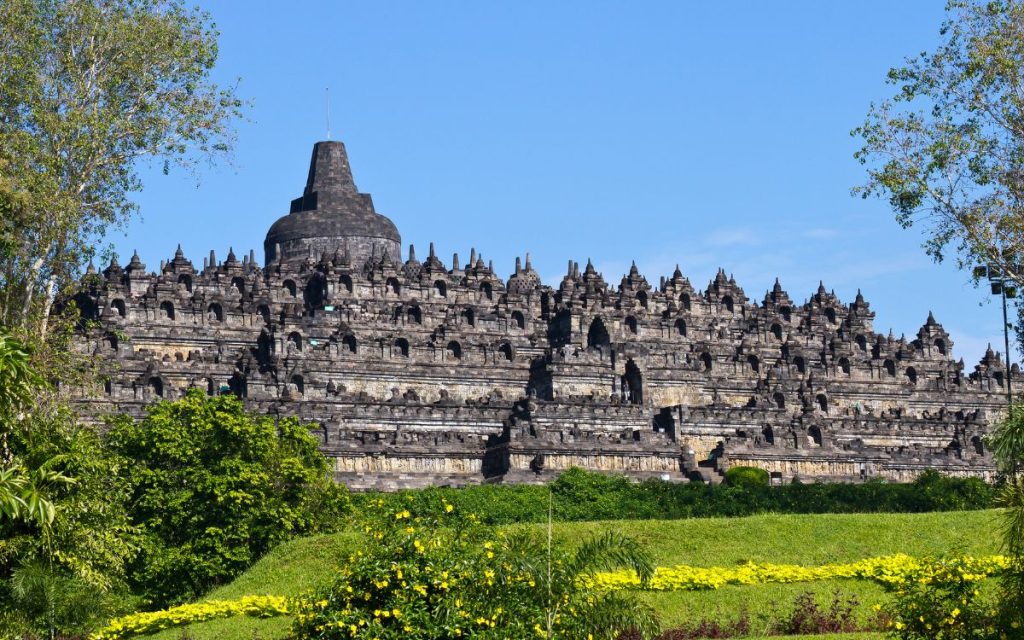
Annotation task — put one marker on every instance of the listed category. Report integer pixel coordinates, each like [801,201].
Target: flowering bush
[419,579]
[151,622]
[425,578]
[893,571]
[941,599]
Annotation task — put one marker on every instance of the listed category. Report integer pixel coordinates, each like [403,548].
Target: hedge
[580,495]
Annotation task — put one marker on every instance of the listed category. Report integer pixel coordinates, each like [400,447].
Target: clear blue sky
[663,132]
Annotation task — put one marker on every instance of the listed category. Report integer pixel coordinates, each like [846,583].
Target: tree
[22,491]
[90,87]
[64,533]
[66,575]
[947,149]
[215,487]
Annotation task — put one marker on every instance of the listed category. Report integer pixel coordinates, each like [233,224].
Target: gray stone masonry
[420,373]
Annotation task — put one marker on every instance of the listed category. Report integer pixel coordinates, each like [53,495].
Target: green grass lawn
[303,564]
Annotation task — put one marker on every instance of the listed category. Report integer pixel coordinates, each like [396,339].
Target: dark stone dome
[331,216]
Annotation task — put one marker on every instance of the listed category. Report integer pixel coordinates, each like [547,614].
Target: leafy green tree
[19,381]
[64,532]
[215,487]
[947,149]
[91,87]
[63,574]
[22,491]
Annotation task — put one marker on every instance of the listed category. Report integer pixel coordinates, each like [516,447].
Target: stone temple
[421,373]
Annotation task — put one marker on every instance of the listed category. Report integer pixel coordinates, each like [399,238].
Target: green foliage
[300,566]
[747,477]
[581,495]
[12,489]
[946,149]
[148,623]
[443,576]
[91,534]
[22,490]
[67,574]
[942,600]
[215,487]
[44,599]
[1011,499]
[91,87]
[1007,443]
[19,381]
[23,493]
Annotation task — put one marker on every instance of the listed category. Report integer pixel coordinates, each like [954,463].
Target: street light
[1005,288]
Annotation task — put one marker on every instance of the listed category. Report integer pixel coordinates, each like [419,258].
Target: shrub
[891,571]
[42,601]
[215,487]
[746,477]
[65,536]
[805,617]
[808,617]
[186,614]
[444,576]
[582,495]
[942,600]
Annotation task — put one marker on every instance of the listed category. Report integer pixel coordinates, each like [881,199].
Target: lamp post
[1005,288]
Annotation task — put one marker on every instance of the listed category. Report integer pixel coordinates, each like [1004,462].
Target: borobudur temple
[420,373]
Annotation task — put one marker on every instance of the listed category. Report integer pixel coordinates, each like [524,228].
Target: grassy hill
[303,564]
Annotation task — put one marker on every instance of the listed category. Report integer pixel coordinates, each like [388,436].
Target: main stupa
[331,216]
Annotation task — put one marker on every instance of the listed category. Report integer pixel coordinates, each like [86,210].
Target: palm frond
[615,613]
[525,552]
[1007,441]
[1011,499]
[608,552]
